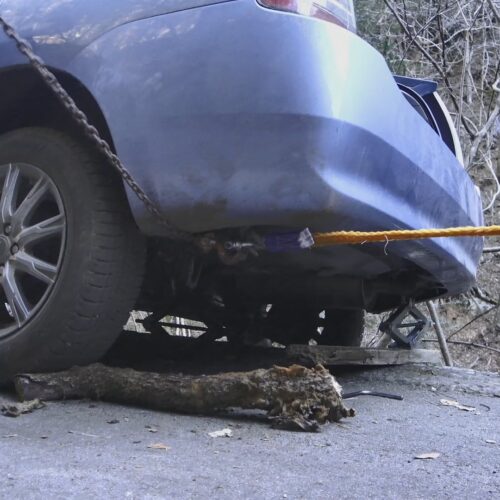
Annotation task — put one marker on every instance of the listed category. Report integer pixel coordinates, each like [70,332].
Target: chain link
[90,131]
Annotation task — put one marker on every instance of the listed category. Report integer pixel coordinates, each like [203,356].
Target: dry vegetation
[456,43]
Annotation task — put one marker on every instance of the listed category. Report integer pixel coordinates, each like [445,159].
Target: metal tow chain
[90,131]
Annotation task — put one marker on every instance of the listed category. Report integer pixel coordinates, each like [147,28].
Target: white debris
[222,433]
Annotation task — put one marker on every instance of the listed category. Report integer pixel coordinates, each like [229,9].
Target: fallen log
[295,397]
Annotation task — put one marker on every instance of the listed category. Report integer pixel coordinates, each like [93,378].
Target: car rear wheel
[71,257]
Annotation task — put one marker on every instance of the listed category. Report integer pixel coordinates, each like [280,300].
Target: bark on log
[295,397]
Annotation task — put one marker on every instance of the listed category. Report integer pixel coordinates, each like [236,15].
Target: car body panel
[61,28]
[232,115]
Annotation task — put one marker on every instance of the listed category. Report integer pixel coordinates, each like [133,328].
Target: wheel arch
[26,101]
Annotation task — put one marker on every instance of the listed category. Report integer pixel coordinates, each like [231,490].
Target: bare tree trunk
[296,397]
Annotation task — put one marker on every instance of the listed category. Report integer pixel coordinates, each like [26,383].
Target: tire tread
[113,269]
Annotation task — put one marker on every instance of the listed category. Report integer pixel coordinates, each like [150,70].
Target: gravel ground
[79,449]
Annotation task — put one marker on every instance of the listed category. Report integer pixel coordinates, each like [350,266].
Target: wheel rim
[32,241]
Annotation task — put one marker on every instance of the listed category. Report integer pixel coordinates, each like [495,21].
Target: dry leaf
[159,446]
[456,404]
[222,433]
[428,456]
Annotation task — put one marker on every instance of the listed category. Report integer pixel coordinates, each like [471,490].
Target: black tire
[102,263]
[343,327]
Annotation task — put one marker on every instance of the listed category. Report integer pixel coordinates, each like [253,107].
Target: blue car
[241,122]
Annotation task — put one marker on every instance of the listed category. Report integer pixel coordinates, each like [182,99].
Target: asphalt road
[74,450]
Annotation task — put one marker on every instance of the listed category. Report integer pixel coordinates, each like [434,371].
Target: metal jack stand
[396,328]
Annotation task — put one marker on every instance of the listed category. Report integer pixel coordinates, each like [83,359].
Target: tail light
[340,12]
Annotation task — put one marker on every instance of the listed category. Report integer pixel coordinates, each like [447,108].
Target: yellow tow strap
[359,237]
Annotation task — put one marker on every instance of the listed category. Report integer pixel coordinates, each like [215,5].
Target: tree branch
[296,398]
[491,249]
[472,344]
[456,332]
[436,65]
[494,9]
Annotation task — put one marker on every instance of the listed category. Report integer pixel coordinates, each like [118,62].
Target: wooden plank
[361,356]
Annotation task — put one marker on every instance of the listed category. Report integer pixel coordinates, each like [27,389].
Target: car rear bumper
[272,119]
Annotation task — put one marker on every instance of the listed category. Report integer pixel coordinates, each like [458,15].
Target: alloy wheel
[32,241]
